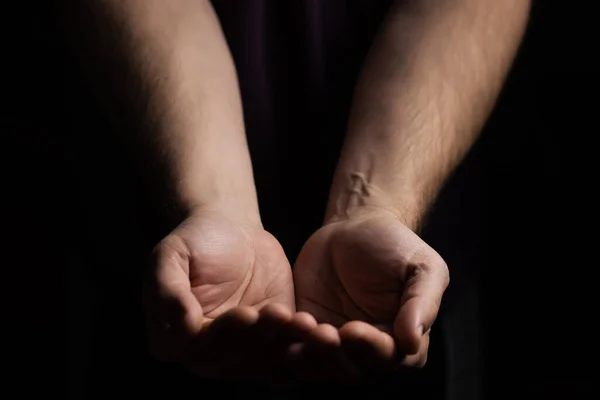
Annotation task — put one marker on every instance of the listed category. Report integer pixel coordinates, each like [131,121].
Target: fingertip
[238,317]
[181,311]
[276,313]
[367,340]
[304,322]
[355,330]
[324,350]
[325,335]
[193,321]
[294,351]
[419,359]
[409,340]
[245,315]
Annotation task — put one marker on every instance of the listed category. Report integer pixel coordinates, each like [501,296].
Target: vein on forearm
[428,85]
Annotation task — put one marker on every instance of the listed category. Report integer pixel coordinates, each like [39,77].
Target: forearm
[164,71]
[427,87]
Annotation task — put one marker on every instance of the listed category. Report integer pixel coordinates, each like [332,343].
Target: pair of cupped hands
[223,301]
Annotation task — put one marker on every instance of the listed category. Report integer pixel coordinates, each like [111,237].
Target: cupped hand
[378,282]
[220,298]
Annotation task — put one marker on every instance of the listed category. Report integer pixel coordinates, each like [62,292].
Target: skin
[427,87]
[220,296]
[220,290]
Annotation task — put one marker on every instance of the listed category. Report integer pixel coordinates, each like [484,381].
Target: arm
[164,72]
[427,88]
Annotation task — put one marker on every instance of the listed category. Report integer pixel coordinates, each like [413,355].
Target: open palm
[372,268]
[221,292]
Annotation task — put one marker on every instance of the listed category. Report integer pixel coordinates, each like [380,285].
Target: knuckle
[437,265]
[432,263]
[445,272]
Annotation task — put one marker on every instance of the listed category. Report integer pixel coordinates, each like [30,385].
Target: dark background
[519,214]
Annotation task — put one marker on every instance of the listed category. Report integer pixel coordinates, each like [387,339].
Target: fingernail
[420,330]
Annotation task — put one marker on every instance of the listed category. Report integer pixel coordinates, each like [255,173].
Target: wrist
[182,203]
[245,213]
[353,196]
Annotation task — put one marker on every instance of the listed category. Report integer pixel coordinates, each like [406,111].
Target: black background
[520,211]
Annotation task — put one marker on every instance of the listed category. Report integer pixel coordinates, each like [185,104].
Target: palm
[368,274]
[370,268]
[212,268]
[231,264]
[351,271]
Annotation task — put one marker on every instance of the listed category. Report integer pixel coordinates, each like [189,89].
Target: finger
[301,325]
[172,322]
[324,336]
[293,364]
[224,347]
[419,359]
[271,335]
[421,298]
[371,350]
[306,362]
[172,312]
[273,318]
[218,335]
[323,358]
[174,302]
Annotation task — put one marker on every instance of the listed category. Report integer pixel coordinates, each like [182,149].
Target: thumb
[172,310]
[426,280]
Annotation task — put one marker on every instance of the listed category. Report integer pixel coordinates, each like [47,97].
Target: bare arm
[430,82]
[165,73]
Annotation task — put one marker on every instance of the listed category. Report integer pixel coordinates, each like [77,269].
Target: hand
[220,298]
[370,267]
